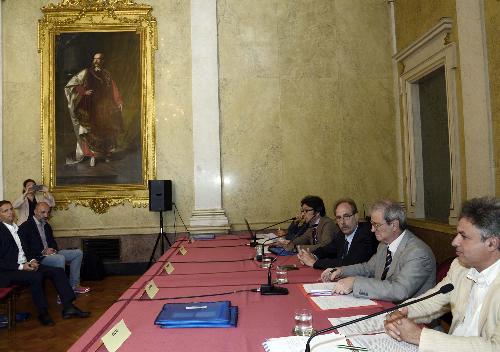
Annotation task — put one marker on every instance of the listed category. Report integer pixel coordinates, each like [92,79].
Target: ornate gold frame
[96,16]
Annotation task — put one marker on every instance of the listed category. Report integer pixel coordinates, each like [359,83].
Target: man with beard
[95,107]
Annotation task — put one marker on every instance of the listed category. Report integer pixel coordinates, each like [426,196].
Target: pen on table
[353,348]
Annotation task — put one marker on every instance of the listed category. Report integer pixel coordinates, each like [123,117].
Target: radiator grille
[108,249]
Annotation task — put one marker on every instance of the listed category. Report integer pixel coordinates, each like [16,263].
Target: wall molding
[425,55]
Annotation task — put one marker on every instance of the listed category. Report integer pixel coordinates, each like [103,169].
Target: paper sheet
[369,326]
[382,343]
[341,301]
[321,343]
[320,286]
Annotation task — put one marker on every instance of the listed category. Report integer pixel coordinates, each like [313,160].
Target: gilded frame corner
[97,20]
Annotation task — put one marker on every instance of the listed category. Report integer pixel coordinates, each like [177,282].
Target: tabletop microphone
[253,242]
[269,289]
[444,289]
[261,249]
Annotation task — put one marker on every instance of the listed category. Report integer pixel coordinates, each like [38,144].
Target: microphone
[254,233]
[278,223]
[260,249]
[444,289]
[269,289]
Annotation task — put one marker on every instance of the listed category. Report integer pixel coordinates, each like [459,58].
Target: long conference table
[212,270]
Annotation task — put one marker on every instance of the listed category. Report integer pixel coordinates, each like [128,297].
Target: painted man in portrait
[95,106]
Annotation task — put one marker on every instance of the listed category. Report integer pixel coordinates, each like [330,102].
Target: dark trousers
[34,279]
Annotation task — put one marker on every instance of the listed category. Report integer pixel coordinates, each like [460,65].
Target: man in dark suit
[353,243]
[15,269]
[36,234]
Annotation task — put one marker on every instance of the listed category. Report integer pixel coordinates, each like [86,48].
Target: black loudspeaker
[160,195]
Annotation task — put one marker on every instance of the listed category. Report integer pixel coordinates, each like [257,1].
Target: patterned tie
[315,234]
[388,261]
[345,249]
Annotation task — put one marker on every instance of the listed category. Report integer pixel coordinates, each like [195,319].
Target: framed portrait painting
[98,132]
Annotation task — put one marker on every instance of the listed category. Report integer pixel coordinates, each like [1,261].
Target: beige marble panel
[308,39]
[492,24]
[414,18]
[250,149]
[248,38]
[368,164]
[334,74]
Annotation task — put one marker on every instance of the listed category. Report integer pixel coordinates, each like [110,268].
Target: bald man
[40,245]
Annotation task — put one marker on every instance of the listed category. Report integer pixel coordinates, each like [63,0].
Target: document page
[373,325]
[319,287]
[341,301]
[321,343]
[382,343]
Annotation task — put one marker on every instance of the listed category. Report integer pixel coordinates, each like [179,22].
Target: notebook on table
[197,314]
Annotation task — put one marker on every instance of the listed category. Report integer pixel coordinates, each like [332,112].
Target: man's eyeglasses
[306,210]
[344,217]
[377,226]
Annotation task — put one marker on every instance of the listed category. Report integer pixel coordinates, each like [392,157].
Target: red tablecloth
[216,266]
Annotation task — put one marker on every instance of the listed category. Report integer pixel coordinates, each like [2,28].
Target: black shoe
[73,311]
[45,319]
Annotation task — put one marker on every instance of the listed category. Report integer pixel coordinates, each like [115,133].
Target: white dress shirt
[21,257]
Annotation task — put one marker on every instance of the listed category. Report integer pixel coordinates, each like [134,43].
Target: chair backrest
[6,292]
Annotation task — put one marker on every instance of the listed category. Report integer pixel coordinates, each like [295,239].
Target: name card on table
[151,289]
[169,268]
[115,337]
[182,250]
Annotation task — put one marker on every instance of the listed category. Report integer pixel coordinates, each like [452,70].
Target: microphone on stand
[261,248]
[254,233]
[269,289]
[444,289]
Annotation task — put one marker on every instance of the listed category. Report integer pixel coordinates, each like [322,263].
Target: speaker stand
[162,236]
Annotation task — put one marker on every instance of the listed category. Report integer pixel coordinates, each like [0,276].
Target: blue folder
[280,251]
[197,314]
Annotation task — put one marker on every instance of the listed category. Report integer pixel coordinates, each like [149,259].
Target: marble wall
[414,18]
[305,97]
[492,21]
[306,104]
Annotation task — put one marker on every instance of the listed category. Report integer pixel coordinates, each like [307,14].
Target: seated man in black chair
[14,269]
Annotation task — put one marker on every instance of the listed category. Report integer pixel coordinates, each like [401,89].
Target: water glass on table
[281,276]
[303,322]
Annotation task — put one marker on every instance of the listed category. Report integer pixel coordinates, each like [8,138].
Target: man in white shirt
[14,269]
[474,302]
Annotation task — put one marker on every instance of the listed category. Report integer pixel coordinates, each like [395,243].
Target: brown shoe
[81,289]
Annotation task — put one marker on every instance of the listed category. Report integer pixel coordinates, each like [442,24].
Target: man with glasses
[320,230]
[403,267]
[474,301]
[354,243]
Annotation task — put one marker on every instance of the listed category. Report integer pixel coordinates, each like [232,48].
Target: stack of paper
[334,302]
[320,289]
[382,343]
[198,315]
[373,325]
[321,343]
